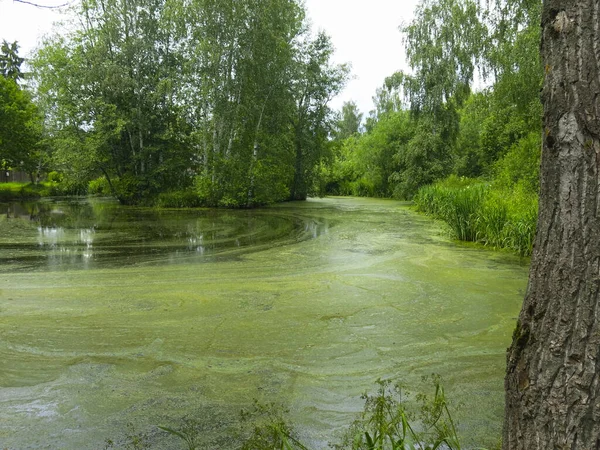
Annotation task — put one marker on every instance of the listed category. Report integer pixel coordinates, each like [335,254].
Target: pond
[111,315]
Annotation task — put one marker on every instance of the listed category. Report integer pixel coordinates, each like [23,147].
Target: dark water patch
[88,234]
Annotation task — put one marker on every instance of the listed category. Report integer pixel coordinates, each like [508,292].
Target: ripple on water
[90,234]
[285,307]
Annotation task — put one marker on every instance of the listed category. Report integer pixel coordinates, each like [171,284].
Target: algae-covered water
[112,315]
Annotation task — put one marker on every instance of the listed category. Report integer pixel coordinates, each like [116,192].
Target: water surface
[111,315]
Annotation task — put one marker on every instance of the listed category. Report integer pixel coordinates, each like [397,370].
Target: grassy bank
[22,191]
[480,212]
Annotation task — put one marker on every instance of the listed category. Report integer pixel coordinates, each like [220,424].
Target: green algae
[306,304]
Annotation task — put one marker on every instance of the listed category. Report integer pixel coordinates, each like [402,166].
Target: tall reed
[479,212]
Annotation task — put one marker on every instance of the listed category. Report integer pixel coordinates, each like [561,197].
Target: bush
[67,187]
[54,177]
[521,165]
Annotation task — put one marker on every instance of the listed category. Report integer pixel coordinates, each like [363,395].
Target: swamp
[113,315]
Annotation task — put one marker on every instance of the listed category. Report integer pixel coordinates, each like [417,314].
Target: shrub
[67,187]
[521,165]
[54,177]
[387,423]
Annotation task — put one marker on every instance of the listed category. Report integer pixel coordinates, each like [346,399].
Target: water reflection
[94,233]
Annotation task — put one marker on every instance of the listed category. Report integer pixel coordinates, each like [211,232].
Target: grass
[391,420]
[179,199]
[22,191]
[480,212]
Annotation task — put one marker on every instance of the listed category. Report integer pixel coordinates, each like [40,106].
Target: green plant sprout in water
[386,422]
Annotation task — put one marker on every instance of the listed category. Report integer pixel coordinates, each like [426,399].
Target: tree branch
[42,6]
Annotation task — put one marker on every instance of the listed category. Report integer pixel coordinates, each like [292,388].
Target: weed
[385,423]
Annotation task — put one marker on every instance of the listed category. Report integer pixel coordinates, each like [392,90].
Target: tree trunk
[553,372]
[299,188]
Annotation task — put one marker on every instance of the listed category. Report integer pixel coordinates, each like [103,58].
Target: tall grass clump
[179,199]
[475,211]
[455,201]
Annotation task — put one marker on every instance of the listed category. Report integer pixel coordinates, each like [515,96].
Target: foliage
[348,122]
[99,186]
[521,164]
[365,165]
[179,199]
[312,119]
[269,429]
[20,128]
[445,129]
[479,212]
[424,160]
[10,61]
[386,422]
[163,95]
[389,421]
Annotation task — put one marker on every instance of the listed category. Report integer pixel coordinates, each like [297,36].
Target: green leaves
[385,423]
[10,61]
[20,128]
[217,94]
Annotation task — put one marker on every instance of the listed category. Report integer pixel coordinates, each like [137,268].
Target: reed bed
[478,212]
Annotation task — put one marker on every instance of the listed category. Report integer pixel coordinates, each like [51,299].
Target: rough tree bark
[553,369]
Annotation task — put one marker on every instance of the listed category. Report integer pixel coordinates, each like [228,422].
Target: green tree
[241,72]
[211,96]
[315,82]
[444,42]
[10,61]
[20,128]
[114,109]
[349,121]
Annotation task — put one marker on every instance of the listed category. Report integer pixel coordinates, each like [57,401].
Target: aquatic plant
[479,212]
[386,423]
[179,199]
[269,429]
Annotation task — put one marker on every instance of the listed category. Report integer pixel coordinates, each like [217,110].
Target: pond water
[112,315]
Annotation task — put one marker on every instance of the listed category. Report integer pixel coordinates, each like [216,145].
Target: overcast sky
[364,32]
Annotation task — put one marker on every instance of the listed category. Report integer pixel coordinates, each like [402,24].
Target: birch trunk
[553,371]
